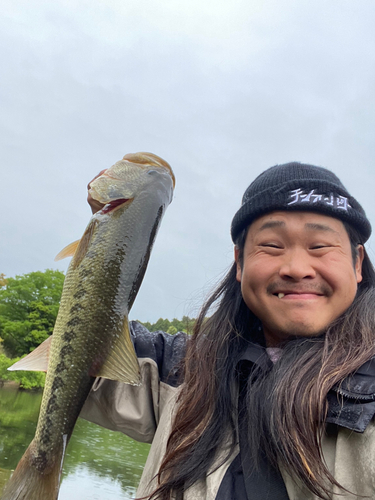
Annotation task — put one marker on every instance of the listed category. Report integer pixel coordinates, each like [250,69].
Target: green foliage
[28,309]
[5,363]
[30,380]
[186,325]
[172,330]
[26,379]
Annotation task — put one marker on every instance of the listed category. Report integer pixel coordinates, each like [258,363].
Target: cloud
[221,91]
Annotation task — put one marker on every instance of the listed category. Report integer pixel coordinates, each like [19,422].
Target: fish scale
[91,335]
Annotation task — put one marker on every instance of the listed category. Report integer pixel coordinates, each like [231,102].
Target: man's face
[297,274]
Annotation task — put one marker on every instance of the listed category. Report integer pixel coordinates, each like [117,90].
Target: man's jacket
[145,413]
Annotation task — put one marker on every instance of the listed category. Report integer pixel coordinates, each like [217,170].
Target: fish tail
[28,482]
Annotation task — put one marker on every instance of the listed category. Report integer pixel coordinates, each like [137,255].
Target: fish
[91,335]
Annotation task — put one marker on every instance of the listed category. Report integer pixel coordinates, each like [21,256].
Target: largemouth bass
[91,335]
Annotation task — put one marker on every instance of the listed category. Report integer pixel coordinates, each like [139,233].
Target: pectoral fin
[121,363]
[36,361]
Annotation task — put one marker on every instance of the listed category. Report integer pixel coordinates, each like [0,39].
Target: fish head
[135,173]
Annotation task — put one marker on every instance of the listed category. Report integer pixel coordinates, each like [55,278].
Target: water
[99,464]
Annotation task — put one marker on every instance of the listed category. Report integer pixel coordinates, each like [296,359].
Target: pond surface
[99,464]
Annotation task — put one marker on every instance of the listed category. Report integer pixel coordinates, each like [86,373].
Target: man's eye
[318,247]
[270,245]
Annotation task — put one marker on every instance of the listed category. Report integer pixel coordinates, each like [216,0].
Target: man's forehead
[304,220]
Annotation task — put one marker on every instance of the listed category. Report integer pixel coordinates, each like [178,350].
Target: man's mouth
[292,295]
[300,291]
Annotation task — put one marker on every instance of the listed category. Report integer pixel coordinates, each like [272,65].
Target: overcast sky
[219,89]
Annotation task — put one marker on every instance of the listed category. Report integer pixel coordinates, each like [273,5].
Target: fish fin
[84,243]
[121,363]
[36,361]
[78,248]
[29,483]
[68,251]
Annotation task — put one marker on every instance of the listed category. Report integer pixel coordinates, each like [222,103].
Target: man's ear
[359,261]
[239,266]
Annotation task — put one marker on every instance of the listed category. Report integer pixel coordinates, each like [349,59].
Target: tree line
[185,324]
[29,304]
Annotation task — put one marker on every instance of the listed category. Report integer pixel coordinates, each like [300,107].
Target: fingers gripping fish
[91,335]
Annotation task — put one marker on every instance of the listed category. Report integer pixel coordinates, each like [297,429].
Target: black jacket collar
[351,403]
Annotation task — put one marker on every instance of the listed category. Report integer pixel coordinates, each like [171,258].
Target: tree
[172,330]
[162,325]
[186,325]
[28,309]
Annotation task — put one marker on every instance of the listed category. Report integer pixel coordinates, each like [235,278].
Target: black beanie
[298,186]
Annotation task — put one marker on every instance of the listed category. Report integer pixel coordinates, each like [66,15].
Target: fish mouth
[114,205]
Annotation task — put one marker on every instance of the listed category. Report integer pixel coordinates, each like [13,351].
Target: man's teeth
[281,295]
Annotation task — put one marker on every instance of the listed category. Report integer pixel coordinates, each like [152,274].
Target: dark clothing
[147,411]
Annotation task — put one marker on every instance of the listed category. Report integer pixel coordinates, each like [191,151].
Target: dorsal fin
[67,251]
[78,248]
[84,243]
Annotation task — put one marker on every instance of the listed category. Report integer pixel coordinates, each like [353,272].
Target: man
[278,392]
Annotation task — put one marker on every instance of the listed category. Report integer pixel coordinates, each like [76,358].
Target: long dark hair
[287,426]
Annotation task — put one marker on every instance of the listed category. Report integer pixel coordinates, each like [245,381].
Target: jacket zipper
[362,397]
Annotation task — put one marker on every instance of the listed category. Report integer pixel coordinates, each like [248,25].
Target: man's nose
[297,265]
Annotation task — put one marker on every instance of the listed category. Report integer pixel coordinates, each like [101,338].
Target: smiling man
[297,273]
[276,398]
